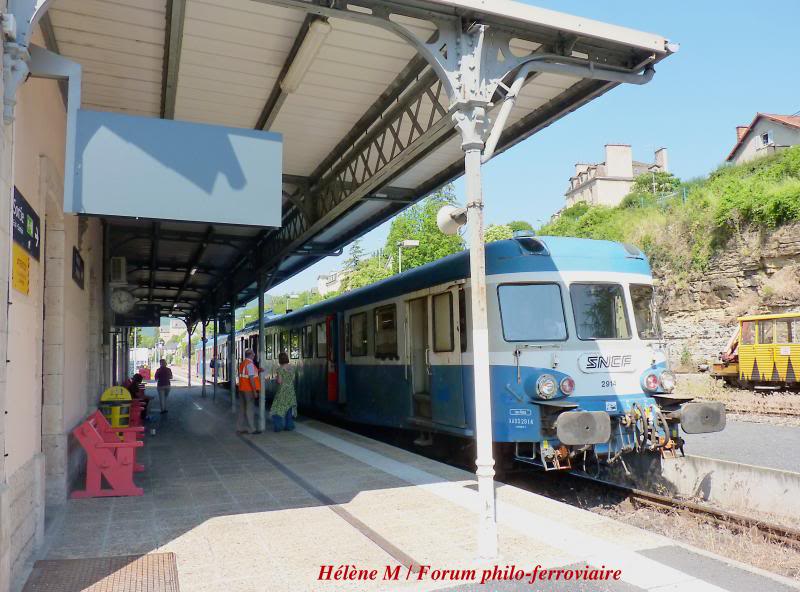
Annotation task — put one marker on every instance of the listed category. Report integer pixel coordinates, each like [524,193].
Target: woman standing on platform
[284,406]
[163,384]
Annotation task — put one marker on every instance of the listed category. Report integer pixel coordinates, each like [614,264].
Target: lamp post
[289,298]
[404,244]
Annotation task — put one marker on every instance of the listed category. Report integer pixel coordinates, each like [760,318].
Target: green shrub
[684,233]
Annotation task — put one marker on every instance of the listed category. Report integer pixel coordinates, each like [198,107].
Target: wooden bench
[110,458]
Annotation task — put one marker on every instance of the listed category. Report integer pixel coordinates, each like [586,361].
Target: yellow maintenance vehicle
[763,353]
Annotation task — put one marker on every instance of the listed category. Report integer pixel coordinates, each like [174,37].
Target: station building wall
[54,333]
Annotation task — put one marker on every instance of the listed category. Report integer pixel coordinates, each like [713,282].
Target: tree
[496,232]
[355,256]
[655,183]
[419,223]
[367,272]
[516,225]
[141,338]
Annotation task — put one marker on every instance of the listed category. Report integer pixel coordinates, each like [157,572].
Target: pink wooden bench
[109,458]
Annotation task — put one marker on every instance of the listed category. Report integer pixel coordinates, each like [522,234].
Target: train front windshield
[600,311]
[644,311]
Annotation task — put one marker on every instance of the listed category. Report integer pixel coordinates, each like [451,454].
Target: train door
[331,359]
[418,348]
[444,360]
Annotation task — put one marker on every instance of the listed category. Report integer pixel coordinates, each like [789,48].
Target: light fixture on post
[318,30]
[404,244]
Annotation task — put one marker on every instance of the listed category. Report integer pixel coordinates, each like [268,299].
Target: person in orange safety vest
[249,389]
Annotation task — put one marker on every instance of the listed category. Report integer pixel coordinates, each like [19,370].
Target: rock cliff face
[758,272]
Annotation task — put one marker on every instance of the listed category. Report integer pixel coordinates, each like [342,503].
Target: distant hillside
[681,231]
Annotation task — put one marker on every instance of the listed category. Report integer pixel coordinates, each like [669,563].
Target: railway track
[731,520]
[780,412]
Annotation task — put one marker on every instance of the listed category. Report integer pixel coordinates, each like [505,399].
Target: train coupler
[554,459]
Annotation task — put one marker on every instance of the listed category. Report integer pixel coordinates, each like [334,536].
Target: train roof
[522,254]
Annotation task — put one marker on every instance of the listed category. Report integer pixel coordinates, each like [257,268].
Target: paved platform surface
[750,443]
[267,512]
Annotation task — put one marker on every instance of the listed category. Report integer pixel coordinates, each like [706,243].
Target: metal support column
[114,360]
[203,373]
[262,356]
[189,331]
[487,529]
[216,359]
[233,370]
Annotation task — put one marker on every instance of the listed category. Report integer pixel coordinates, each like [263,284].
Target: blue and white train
[577,363]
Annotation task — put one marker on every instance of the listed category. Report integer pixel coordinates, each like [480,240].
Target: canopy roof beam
[278,95]
[198,256]
[176,16]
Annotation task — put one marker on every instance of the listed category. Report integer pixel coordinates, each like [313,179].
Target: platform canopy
[366,121]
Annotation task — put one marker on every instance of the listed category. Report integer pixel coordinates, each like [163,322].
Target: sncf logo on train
[594,362]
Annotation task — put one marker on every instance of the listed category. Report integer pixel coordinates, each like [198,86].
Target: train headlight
[546,386]
[651,382]
[567,385]
[668,381]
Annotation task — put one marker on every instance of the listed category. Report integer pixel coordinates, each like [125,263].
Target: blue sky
[737,57]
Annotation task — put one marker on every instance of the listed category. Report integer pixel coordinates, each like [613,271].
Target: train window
[284,343]
[644,311]
[783,330]
[358,334]
[599,311]
[294,344]
[532,312]
[462,319]
[765,334]
[443,322]
[322,340]
[386,331]
[269,343]
[794,332]
[308,341]
[748,332]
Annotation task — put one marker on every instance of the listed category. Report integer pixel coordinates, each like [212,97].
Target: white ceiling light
[317,32]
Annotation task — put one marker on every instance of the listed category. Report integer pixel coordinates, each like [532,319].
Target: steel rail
[774,532]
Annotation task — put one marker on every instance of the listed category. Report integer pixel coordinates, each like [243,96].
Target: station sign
[142,315]
[20,269]
[25,225]
[77,267]
[144,167]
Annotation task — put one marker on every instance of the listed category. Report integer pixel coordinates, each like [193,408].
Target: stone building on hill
[606,183]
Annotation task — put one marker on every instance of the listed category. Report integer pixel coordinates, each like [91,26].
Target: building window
[748,332]
[766,138]
[322,340]
[783,331]
[308,341]
[443,322]
[462,319]
[358,334]
[284,343]
[386,331]
[294,344]
[765,332]
[268,343]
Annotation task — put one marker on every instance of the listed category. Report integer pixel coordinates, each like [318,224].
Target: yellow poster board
[21,269]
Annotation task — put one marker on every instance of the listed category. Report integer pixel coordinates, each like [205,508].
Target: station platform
[744,442]
[271,511]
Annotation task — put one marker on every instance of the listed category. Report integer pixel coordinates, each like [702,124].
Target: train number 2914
[608,383]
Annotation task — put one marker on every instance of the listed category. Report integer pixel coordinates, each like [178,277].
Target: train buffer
[110,457]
